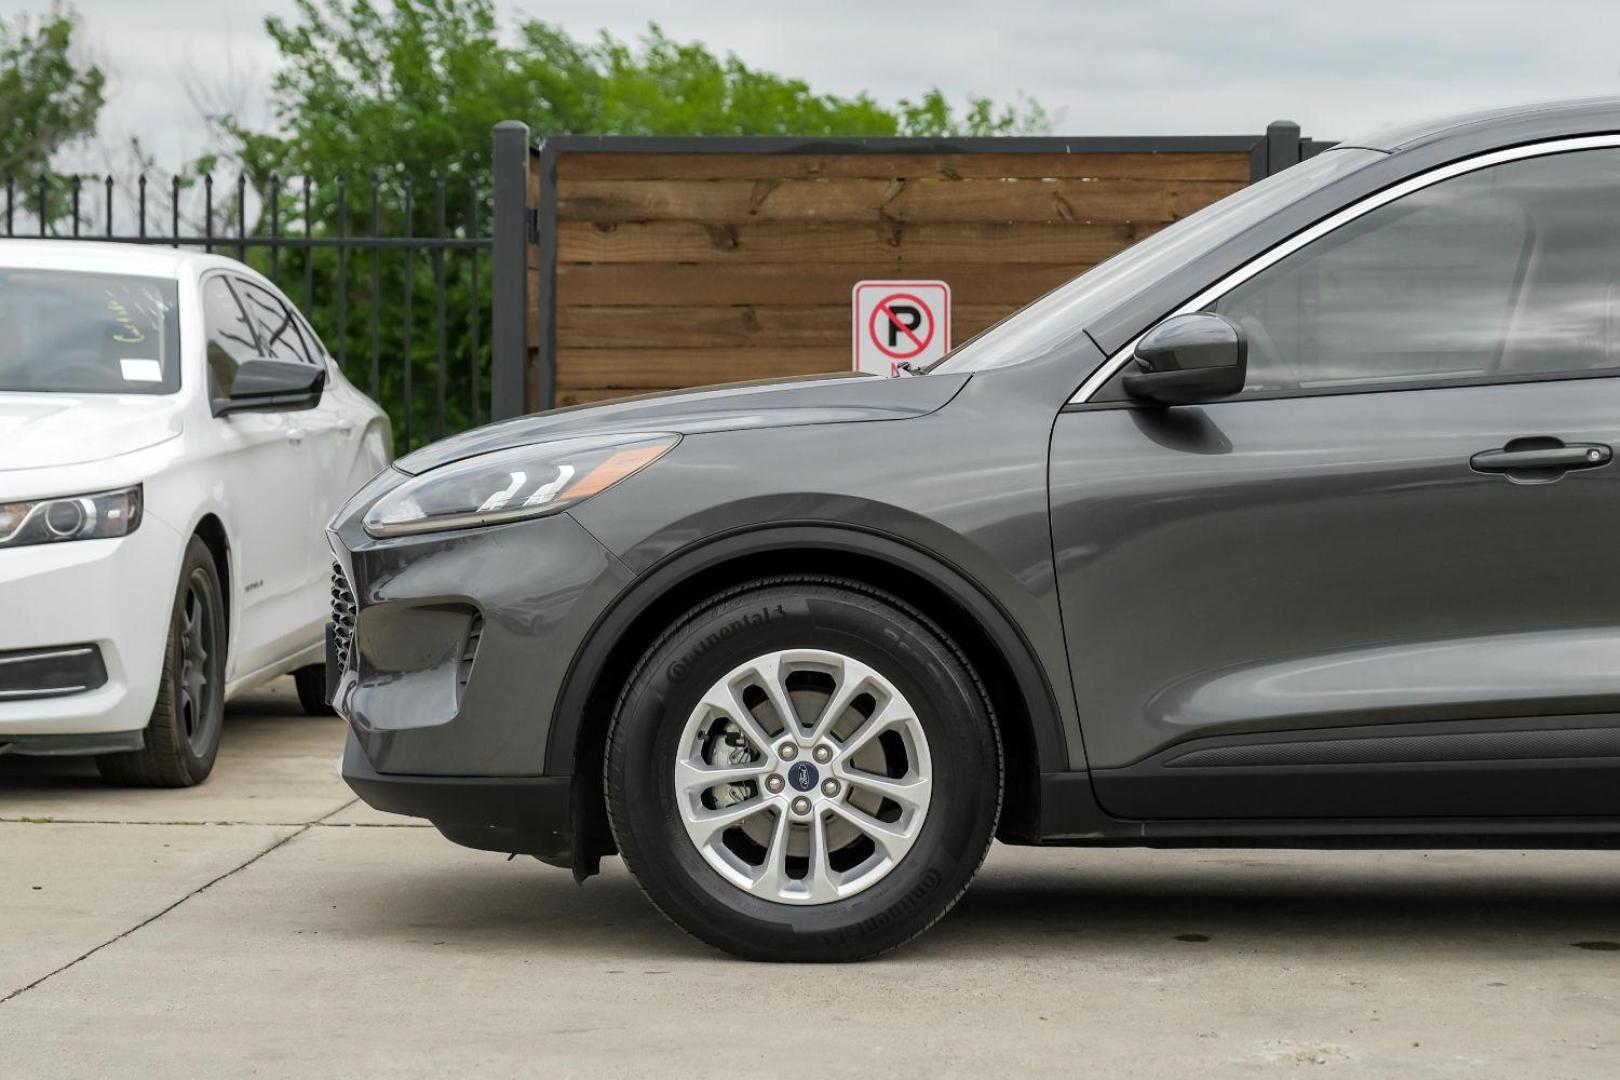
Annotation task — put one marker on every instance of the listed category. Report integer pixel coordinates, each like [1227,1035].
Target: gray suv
[1286,526]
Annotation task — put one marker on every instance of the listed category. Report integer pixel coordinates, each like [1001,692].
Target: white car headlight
[509,485]
[99,516]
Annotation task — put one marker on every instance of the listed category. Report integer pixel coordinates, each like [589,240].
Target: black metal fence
[395,278]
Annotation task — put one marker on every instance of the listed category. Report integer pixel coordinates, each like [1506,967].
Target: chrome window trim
[1329,224]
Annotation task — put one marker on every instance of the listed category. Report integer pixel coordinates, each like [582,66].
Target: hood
[39,431]
[811,399]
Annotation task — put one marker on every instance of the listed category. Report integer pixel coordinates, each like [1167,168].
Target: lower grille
[342,618]
[53,672]
[469,651]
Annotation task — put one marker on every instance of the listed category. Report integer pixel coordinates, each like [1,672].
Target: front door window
[1505,273]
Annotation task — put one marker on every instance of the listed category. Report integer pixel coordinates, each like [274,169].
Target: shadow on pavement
[1056,903]
[1306,900]
[248,727]
[275,765]
[54,773]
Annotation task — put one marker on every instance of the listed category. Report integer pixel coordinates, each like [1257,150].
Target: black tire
[311,682]
[182,737]
[804,612]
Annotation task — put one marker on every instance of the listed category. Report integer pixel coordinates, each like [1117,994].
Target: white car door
[338,428]
[327,430]
[265,470]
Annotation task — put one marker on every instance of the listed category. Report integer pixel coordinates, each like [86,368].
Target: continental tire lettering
[681,666]
[903,908]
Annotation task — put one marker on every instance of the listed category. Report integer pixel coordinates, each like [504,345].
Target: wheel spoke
[821,879]
[772,877]
[694,778]
[910,794]
[723,699]
[853,679]
[894,711]
[893,840]
[709,824]
[768,672]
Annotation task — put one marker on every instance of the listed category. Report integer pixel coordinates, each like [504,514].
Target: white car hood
[39,431]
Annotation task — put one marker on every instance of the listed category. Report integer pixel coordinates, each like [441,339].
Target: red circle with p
[907,338]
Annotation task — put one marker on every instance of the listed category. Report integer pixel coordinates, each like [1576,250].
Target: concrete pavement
[265,923]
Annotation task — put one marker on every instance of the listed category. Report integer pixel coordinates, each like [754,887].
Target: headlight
[509,485]
[71,517]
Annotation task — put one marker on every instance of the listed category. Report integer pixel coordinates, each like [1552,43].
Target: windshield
[71,332]
[1056,318]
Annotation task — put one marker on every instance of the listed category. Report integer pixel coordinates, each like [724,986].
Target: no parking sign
[900,322]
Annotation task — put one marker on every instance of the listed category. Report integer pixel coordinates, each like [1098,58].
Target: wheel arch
[1022,698]
[211,530]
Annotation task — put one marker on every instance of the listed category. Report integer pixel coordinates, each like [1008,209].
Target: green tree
[932,115]
[405,94]
[49,97]
[416,85]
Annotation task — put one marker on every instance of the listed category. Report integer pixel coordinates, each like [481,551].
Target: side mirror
[1187,359]
[266,385]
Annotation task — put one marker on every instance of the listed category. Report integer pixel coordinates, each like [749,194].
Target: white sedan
[173,438]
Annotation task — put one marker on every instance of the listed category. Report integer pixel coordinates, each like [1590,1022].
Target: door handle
[295,435]
[1541,458]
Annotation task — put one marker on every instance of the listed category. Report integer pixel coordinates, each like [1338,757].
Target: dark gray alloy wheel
[182,737]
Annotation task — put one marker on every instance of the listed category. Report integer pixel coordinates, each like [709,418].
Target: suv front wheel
[803,769]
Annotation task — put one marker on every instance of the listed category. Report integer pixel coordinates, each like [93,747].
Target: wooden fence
[663,263]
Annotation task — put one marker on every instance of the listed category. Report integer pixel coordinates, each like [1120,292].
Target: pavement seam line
[150,919]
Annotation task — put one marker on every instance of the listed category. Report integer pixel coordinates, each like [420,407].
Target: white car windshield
[66,331]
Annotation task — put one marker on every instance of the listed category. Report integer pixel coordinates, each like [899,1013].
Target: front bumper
[459,642]
[113,595]
[523,815]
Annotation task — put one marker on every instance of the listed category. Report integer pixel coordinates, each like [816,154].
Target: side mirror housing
[266,385]
[1187,359]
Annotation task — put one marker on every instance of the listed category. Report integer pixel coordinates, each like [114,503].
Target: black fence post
[1282,146]
[509,230]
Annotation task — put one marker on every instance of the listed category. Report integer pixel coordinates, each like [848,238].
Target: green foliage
[934,116]
[49,98]
[406,93]
[417,84]
[665,87]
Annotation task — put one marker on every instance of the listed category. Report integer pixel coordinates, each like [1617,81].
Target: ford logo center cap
[803,776]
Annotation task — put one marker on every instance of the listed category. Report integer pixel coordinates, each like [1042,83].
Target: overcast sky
[1104,68]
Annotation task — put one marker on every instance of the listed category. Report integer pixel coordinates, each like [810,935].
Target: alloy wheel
[198,637]
[803,776]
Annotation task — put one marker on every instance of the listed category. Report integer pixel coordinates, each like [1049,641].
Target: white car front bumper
[116,595]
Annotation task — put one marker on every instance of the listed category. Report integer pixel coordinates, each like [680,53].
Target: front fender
[572,713]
